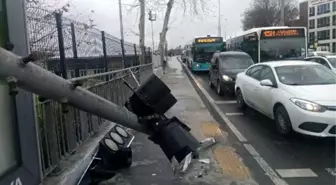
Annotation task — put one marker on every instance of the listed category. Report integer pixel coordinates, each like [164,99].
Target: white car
[299,95]
[320,53]
[328,61]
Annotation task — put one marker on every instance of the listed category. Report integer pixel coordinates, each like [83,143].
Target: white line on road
[291,173]
[266,167]
[234,114]
[226,102]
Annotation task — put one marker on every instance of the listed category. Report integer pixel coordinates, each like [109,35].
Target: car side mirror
[266,82]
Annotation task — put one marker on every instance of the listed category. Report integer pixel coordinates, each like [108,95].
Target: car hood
[322,94]
[232,72]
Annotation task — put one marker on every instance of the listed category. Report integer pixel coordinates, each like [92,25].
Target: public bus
[271,43]
[199,52]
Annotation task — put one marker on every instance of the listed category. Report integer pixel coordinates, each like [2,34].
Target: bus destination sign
[208,40]
[282,33]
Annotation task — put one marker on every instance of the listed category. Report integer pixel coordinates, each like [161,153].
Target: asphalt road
[307,160]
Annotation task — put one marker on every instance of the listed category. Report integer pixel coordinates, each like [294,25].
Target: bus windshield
[204,52]
[281,48]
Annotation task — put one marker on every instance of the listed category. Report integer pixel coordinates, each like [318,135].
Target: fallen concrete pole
[35,79]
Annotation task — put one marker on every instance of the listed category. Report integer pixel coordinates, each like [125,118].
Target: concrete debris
[187,161]
[208,142]
[204,161]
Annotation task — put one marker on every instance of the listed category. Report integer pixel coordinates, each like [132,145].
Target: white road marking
[332,171]
[226,102]
[291,173]
[266,167]
[234,114]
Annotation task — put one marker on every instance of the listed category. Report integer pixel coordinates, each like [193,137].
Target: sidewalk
[150,166]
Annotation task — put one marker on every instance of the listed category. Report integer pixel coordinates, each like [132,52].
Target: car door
[250,83]
[212,67]
[264,94]
[216,71]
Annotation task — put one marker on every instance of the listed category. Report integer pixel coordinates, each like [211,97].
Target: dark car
[224,69]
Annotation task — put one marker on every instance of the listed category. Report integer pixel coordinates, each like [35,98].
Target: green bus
[199,51]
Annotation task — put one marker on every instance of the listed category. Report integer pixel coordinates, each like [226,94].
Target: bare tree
[191,6]
[268,13]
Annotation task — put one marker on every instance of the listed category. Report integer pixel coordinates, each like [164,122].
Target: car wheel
[219,89]
[282,121]
[210,83]
[240,100]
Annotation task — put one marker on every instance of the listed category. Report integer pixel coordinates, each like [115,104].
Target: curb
[213,107]
[210,104]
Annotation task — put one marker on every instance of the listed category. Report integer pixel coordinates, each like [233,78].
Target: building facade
[303,16]
[322,25]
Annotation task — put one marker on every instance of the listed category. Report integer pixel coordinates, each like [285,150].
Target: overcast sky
[183,27]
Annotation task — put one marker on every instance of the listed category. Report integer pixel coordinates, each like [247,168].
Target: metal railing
[63,45]
[78,52]
[62,129]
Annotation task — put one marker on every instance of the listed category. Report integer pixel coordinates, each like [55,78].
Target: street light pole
[219,19]
[121,31]
[152,17]
[282,12]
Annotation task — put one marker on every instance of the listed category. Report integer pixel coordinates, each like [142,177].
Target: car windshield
[305,75]
[281,48]
[236,62]
[332,61]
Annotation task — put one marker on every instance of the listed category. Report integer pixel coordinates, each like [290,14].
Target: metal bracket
[12,83]
[136,80]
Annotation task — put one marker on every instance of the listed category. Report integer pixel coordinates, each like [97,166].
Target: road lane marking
[291,173]
[226,102]
[265,166]
[234,114]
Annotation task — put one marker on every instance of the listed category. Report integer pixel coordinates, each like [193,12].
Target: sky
[184,26]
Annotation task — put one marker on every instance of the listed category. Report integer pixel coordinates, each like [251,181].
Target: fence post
[59,26]
[105,54]
[136,55]
[74,48]
[123,53]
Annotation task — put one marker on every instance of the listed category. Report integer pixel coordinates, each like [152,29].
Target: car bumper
[228,86]
[312,123]
[200,67]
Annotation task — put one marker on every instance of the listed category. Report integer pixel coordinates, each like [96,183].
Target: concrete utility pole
[142,32]
[152,17]
[219,19]
[282,12]
[121,30]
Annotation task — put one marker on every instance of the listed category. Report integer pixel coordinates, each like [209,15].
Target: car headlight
[197,65]
[227,78]
[308,105]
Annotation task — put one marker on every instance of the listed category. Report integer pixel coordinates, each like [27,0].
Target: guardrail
[62,129]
